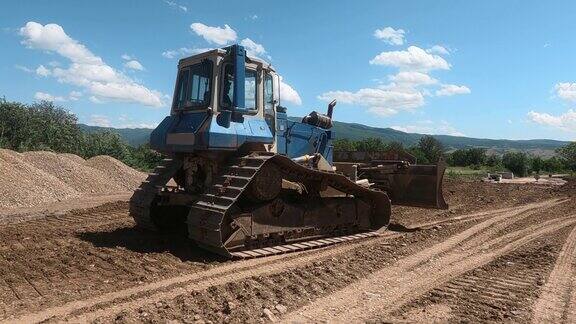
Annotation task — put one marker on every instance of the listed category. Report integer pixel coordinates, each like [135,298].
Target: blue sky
[492,69]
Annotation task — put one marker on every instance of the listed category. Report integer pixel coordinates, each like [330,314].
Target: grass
[466,172]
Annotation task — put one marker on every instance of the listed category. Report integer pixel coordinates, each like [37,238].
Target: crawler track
[211,218]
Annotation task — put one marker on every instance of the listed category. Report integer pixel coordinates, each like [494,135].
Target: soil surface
[502,252]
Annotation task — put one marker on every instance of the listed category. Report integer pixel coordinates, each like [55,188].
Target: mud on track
[93,265]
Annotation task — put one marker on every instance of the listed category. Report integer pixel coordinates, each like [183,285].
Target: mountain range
[353,131]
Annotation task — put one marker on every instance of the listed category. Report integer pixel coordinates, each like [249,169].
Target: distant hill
[542,147]
[132,136]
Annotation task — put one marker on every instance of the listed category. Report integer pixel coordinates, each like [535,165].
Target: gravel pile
[24,185]
[74,157]
[126,177]
[77,176]
[36,178]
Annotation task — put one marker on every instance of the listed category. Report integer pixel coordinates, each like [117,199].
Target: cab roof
[222,52]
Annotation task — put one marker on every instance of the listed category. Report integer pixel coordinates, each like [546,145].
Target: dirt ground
[502,252]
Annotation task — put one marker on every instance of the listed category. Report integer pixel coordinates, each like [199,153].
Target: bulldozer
[244,180]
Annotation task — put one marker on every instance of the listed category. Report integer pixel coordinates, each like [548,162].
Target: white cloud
[24,68]
[217,35]
[126,57]
[566,90]
[42,71]
[48,97]
[123,121]
[176,5]
[382,102]
[407,89]
[95,100]
[403,93]
[431,128]
[51,37]
[412,78]
[99,120]
[184,51]
[437,49]
[137,125]
[254,17]
[134,65]
[390,35]
[254,49]
[73,96]
[565,122]
[412,59]
[452,89]
[287,93]
[86,69]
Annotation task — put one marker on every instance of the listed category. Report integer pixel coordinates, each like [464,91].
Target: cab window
[269,101]
[194,86]
[250,88]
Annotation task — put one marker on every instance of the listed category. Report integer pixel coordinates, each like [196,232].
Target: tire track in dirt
[237,271]
[390,287]
[114,302]
[503,290]
[556,302]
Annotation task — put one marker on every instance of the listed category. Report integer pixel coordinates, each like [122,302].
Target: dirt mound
[123,174]
[74,157]
[37,178]
[78,176]
[24,185]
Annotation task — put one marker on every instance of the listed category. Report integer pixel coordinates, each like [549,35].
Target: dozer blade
[415,186]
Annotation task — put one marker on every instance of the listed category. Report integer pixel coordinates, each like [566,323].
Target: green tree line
[429,150]
[45,126]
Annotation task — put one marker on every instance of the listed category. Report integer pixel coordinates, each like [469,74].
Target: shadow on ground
[142,241]
[395,227]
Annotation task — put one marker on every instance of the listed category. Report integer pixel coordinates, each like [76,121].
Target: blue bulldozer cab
[225,100]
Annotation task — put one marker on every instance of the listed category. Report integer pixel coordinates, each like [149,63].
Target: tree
[144,158]
[395,146]
[419,155]
[431,147]
[44,126]
[517,162]
[372,144]
[344,144]
[106,143]
[493,160]
[476,156]
[568,153]
[466,157]
[536,164]
[457,158]
[554,164]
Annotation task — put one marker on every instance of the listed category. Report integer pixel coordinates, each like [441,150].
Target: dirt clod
[269,315]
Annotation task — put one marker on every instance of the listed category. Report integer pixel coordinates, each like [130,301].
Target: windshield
[250,88]
[193,90]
